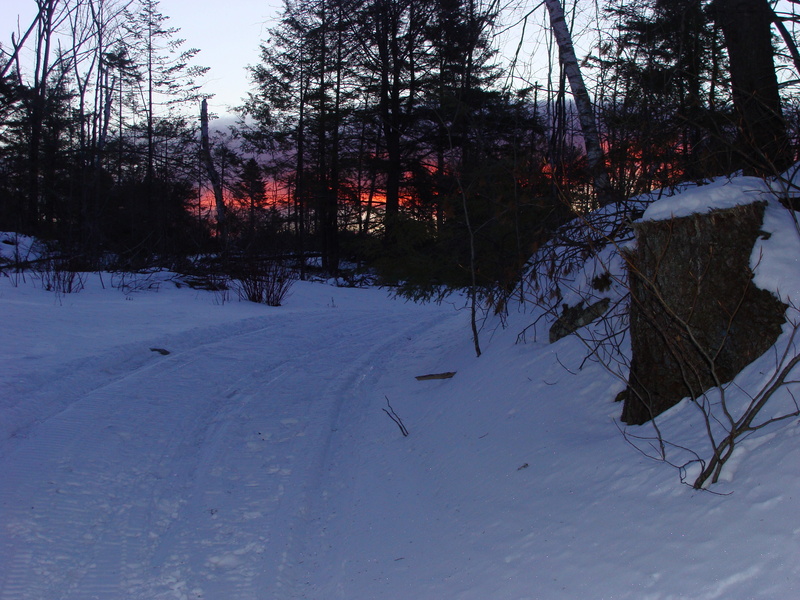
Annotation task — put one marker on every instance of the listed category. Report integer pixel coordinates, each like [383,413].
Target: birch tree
[595,157]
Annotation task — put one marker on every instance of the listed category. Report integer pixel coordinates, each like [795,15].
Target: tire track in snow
[153,485]
[264,566]
[349,400]
[111,417]
[56,390]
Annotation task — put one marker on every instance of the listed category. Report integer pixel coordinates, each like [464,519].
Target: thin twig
[394,417]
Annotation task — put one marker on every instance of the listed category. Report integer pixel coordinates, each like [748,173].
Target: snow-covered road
[192,474]
[254,460]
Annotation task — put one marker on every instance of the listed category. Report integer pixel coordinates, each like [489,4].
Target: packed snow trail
[254,461]
[192,474]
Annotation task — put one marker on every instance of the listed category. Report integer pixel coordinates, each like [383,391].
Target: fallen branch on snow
[447,375]
[394,417]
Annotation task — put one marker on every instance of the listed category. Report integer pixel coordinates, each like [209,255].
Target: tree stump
[696,318]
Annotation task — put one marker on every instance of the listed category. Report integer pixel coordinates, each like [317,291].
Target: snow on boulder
[720,194]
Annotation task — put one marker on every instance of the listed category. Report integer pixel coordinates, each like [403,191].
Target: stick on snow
[394,417]
[435,376]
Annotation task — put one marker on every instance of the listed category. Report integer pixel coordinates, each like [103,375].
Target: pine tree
[168,80]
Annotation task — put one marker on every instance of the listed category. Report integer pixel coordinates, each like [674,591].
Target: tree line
[381,133]
[96,147]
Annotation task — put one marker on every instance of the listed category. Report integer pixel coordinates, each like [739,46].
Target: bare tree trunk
[42,69]
[213,175]
[595,157]
[764,144]
[300,195]
[17,42]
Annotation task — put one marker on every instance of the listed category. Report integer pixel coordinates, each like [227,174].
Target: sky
[227,33]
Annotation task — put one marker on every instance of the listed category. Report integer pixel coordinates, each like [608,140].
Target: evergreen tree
[168,81]
[251,189]
[305,96]
[666,113]
[392,46]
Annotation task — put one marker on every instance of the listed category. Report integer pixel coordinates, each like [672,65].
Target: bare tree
[18,40]
[213,174]
[46,62]
[764,144]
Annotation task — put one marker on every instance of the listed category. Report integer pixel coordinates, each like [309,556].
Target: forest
[394,138]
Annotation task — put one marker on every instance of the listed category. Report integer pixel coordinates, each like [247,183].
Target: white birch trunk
[595,158]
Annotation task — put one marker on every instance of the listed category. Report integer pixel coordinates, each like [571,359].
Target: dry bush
[60,275]
[264,281]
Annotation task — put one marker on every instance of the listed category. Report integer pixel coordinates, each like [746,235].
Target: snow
[255,461]
[776,257]
[720,193]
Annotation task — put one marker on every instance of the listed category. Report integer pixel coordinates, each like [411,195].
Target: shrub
[265,281]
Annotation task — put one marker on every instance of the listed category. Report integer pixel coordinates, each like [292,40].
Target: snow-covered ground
[255,459]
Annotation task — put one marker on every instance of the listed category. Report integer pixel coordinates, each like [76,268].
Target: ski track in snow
[168,478]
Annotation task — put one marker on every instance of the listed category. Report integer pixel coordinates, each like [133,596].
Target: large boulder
[696,317]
